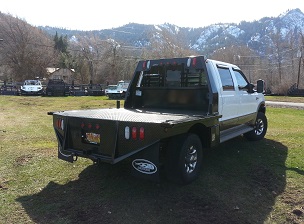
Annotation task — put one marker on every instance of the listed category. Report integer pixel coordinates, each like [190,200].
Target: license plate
[93,138]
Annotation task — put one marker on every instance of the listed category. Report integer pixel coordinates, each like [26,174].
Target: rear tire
[260,128]
[184,158]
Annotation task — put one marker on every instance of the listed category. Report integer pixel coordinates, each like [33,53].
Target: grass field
[241,181]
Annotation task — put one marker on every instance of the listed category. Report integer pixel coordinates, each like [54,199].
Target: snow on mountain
[216,31]
[205,35]
[257,34]
[234,31]
[291,20]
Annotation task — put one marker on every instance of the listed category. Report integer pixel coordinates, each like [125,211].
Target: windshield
[32,82]
[112,87]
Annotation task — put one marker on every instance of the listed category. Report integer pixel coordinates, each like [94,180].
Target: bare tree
[166,44]
[242,56]
[103,60]
[26,50]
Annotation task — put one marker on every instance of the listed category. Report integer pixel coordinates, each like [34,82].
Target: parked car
[31,87]
[117,91]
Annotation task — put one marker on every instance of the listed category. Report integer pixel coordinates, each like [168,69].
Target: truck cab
[238,101]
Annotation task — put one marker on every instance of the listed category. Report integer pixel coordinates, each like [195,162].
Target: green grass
[241,181]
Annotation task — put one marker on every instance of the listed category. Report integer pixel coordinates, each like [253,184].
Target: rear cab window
[226,78]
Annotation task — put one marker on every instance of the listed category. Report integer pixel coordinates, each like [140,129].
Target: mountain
[258,35]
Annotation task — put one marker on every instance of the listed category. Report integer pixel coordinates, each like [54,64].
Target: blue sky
[95,15]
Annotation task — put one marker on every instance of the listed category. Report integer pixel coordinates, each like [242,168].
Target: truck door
[247,101]
[229,100]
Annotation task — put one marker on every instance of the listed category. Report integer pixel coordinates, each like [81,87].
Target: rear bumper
[71,155]
[32,93]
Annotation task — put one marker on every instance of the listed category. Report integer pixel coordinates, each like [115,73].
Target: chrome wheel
[184,158]
[190,159]
[259,127]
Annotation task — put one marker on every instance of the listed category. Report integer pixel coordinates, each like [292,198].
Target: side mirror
[249,88]
[260,86]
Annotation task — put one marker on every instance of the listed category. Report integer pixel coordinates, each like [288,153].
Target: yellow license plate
[93,138]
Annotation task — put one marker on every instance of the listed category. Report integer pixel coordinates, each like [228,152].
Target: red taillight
[134,133]
[141,133]
[60,124]
[90,126]
[193,61]
[144,65]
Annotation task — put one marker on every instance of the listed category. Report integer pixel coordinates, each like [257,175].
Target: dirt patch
[263,177]
[23,160]
[296,216]
[3,184]
[296,213]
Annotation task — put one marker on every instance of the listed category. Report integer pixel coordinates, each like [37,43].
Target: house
[66,74]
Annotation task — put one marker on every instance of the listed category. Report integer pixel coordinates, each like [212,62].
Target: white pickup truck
[174,110]
[31,87]
[117,91]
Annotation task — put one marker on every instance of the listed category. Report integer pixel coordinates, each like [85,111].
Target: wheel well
[200,130]
[262,108]
[203,133]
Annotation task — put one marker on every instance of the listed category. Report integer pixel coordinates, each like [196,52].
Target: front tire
[184,158]
[260,128]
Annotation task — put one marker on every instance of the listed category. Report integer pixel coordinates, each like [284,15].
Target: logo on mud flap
[144,166]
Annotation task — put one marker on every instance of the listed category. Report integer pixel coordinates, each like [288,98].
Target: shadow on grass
[238,184]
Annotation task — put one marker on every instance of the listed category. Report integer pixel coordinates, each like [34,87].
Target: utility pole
[299,55]
[91,72]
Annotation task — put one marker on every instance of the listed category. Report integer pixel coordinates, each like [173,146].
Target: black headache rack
[174,84]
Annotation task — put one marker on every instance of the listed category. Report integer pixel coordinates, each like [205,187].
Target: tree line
[27,51]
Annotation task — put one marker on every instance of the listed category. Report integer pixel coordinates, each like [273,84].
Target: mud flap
[66,156]
[63,156]
[145,164]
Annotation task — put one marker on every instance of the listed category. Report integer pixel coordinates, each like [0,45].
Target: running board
[234,132]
